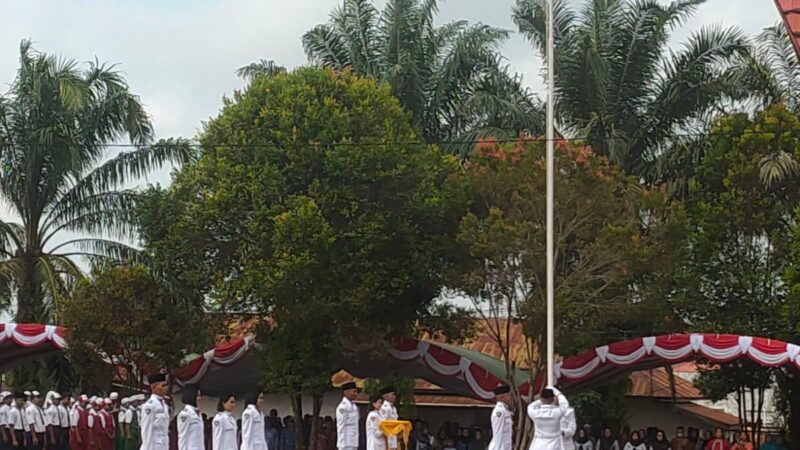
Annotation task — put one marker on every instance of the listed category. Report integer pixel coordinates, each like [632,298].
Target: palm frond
[102,249]
[325,47]
[774,169]
[261,68]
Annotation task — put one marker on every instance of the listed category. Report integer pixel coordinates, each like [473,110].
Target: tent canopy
[23,342]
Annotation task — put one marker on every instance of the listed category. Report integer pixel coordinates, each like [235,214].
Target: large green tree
[451,78]
[155,333]
[312,206]
[740,248]
[55,123]
[614,250]
[620,86]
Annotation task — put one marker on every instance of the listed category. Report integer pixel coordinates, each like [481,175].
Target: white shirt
[253,429]
[16,419]
[346,425]
[547,423]
[125,415]
[4,414]
[376,440]
[190,429]
[129,415]
[629,446]
[34,416]
[502,428]
[585,446]
[51,416]
[389,412]
[224,432]
[63,416]
[568,428]
[155,424]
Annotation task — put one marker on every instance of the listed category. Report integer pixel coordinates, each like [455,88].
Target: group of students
[31,421]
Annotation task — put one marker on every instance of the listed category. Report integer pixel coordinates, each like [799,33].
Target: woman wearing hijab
[660,442]
[607,441]
[634,443]
[718,442]
[742,442]
[224,425]
[253,437]
[190,422]
[582,441]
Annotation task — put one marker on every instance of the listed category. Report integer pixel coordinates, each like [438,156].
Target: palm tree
[617,84]
[768,75]
[55,124]
[450,78]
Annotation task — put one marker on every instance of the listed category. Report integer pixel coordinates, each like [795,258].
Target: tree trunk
[29,296]
[316,407]
[297,411]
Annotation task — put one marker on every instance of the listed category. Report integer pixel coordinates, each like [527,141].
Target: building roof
[790,12]
[714,416]
[655,383]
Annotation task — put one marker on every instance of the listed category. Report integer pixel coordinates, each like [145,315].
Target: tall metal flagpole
[550,176]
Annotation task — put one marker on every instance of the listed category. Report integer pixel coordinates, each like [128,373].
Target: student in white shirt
[224,425]
[191,430]
[36,425]
[5,404]
[16,421]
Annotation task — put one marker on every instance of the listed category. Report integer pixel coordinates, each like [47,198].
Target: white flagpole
[550,176]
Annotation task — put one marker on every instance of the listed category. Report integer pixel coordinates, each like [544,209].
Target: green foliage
[614,243]
[310,218]
[617,82]
[737,275]
[124,312]
[604,406]
[55,123]
[451,78]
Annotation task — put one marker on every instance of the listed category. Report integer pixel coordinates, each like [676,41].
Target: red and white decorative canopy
[597,366]
[204,370]
[20,342]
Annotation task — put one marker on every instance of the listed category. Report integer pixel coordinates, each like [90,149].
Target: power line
[488,141]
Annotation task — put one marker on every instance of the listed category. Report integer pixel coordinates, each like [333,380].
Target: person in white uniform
[568,428]
[191,435]
[347,418]
[223,428]
[253,437]
[155,416]
[546,414]
[376,440]
[5,398]
[389,412]
[52,419]
[502,421]
[34,417]
[16,421]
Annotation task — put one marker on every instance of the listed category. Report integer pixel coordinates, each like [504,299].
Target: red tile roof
[655,383]
[790,12]
[716,416]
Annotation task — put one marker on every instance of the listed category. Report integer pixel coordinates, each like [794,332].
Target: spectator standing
[718,442]
[635,443]
[680,441]
[660,442]
[287,435]
[477,442]
[463,440]
[607,441]
[742,442]
[582,441]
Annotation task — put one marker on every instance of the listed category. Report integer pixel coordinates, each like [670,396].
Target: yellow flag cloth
[394,427]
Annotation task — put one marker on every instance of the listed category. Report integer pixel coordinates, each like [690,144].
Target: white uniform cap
[113,396]
[125,400]
[27,393]
[84,398]
[56,395]
[139,397]
[36,394]
[108,401]
[4,394]
[98,401]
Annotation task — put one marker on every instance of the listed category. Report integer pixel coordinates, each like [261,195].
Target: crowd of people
[30,421]
[658,439]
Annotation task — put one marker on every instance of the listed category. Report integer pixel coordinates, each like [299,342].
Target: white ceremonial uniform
[16,419]
[376,440]
[389,412]
[547,423]
[51,416]
[4,414]
[155,424]
[568,428]
[190,429]
[35,417]
[224,432]
[63,416]
[253,429]
[502,428]
[346,425]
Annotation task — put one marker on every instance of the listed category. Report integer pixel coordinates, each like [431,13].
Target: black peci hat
[157,378]
[349,385]
[499,390]
[547,393]
[387,390]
